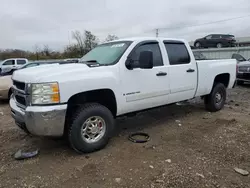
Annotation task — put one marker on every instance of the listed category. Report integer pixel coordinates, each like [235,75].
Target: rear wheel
[91,129]
[216,99]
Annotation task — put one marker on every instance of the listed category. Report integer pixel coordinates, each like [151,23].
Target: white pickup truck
[10,64]
[82,100]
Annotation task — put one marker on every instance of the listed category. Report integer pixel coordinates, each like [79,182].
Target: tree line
[83,43]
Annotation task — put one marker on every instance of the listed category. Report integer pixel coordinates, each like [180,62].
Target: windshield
[238,57]
[108,53]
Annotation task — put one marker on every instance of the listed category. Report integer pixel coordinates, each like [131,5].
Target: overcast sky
[24,23]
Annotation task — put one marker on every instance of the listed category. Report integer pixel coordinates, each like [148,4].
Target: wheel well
[222,78]
[105,97]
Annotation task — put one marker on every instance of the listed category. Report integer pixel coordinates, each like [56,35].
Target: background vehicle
[10,64]
[243,69]
[239,58]
[5,85]
[45,62]
[215,40]
[72,60]
[114,79]
[5,78]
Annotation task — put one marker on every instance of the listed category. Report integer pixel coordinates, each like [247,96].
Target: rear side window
[177,53]
[216,36]
[21,62]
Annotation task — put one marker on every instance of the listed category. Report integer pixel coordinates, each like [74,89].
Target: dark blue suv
[215,40]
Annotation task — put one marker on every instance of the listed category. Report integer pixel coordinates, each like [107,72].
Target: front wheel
[219,45]
[91,129]
[216,99]
[197,45]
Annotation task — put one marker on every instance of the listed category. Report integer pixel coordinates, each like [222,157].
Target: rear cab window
[177,52]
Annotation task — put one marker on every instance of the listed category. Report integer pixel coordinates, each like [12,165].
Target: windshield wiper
[91,62]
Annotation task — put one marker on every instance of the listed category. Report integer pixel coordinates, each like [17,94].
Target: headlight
[45,93]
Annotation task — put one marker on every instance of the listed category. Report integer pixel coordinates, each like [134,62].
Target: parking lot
[189,147]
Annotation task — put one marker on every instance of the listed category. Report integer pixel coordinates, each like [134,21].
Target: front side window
[108,53]
[209,37]
[154,48]
[9,62]
[177,53]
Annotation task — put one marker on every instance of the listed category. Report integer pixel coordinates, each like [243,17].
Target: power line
[207,23]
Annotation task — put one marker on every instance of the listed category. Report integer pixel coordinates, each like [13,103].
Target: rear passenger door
[20,62]
[182,72]
[215,40]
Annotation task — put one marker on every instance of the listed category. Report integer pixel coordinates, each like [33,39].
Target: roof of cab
[148,38]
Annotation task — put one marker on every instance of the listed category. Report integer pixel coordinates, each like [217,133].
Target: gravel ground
[189,147]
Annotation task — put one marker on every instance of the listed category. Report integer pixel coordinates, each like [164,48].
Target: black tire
[9,94]
[240,82]
[75,137]
[210,100]
[197,45]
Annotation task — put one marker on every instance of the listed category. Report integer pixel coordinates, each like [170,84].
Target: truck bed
[207,71]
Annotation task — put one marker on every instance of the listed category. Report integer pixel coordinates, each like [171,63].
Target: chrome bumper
[40,120]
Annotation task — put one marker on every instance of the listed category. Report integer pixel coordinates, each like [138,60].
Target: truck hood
[244,63]
[48,72]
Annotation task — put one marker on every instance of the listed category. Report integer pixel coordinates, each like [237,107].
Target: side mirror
[146,60]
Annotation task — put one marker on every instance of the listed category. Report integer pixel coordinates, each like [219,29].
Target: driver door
[145,88]
[8,65]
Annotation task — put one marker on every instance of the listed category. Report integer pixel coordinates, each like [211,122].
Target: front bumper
[243,77]
[40,120]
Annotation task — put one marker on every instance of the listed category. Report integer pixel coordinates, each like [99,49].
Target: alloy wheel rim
[93,129]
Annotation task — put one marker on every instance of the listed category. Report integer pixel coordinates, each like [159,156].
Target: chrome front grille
[20,94]
[20,100]
[19,85]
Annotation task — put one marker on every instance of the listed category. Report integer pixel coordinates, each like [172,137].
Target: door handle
[190,70]
[161,74]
